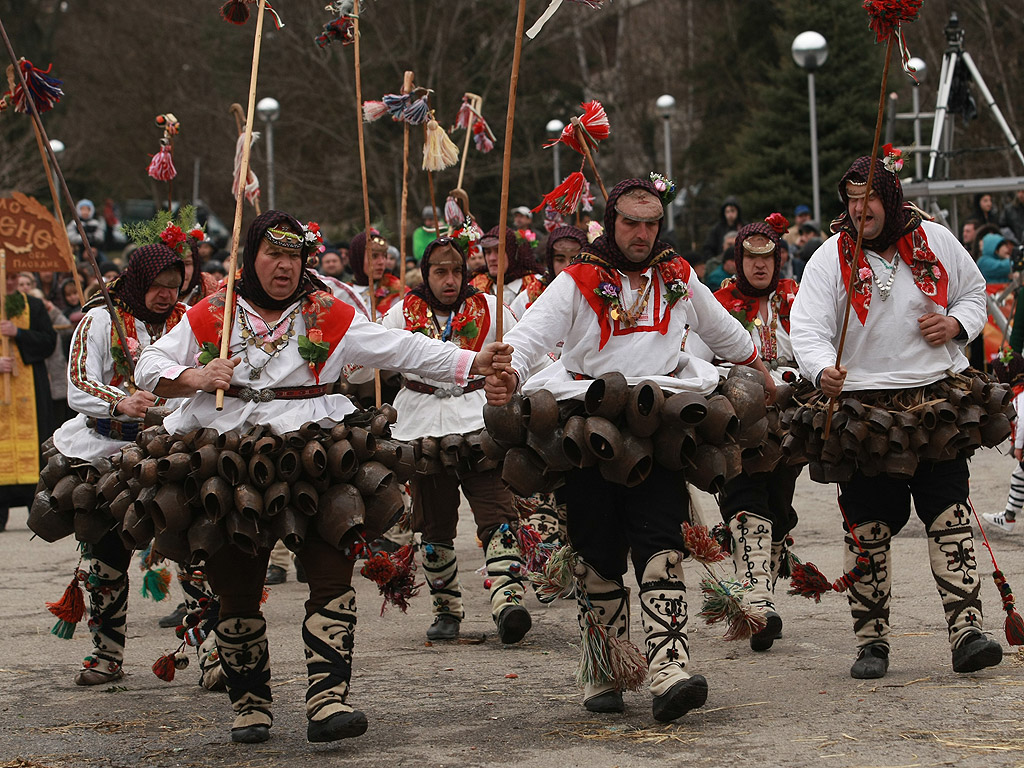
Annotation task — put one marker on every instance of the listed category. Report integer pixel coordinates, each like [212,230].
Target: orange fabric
[19,436]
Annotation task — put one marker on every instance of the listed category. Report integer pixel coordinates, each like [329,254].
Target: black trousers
[237,578]
[606,521]
[112,551]
[765,494]
[935,486]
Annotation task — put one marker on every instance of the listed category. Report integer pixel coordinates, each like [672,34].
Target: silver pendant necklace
[884,289]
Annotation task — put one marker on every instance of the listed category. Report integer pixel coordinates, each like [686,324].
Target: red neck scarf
[744,308]
[929,275]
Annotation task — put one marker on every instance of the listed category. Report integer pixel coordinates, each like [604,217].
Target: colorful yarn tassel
[565,198]
[628,663]
[394,575]
[483,139]
[723,600]
[594,125]
[1014,624]
[808,581]
[439,152]
[417,113]
[44,90]
[156,584]
[374,111]
[701,545]
[70,609]
[396,104]
[535,552]
[161,167]
[595,665]
[558,579]
[164,667]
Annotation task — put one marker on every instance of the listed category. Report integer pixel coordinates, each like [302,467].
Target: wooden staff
[236,110]
[57,214]
[236,230]
[582,139]
[860,228]
[475,104]
[406,88]
[5,344]
[366,192]
[90,255]
[506,168]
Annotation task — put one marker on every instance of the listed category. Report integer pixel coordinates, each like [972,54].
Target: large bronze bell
[137,529]
[248,501]
[119,506]
[540,412]
[232,467]
[382,511]
[204,462]
[674,446]
[173,467]
[216,497]
[606,396]
[261,470]
[227,441]
[289,465]
[83,498]
[305,498]
[491,448]
[733,460]
[575,444]
[684,409]
[62,491]
[603,437]
[314,460]
[372,477]
[405,464]
[159,446]
[632,463]
[206,538]
[243,533]
[340,432]
[341,510]
[209,436]
[363,443]
[341,461]
[46,521]
[276,498]
[721,423]
[709,468]
[290,527]
[173,545]
[643,408]
[170,510]
[747,397]
[523,470]
[996,429]
[145,473]
[550,448]
[386,453]
[504,422]
[109,486]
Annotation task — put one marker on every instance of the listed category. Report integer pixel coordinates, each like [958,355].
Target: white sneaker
[999,522]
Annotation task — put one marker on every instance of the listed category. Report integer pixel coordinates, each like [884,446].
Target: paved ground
[484,705]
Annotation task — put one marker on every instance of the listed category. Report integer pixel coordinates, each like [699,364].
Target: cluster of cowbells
[625,429]
[192,494]
[884,433]
[452,454]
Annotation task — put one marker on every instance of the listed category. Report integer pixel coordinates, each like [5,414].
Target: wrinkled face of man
[162,293]
[279,269]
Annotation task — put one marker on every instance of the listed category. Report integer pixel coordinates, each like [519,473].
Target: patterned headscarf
[605,247]
[249,285]
[518,259]
[749,230]
[130,287]
[357,256]
[423,289]
[563,232]
[900,218]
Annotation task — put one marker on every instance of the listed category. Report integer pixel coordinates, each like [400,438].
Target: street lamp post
[666,106]
[810,51]
[554,129]
[269,109]
[920,72]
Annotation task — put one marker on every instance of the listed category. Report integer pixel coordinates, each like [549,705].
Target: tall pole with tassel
[506,167]
[236,229]
[406,88]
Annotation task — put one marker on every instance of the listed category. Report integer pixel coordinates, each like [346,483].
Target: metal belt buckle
[251,395]
[457,391]
[442,393]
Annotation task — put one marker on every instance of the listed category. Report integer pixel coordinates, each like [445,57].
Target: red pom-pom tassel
[394,575]
[164,667]
[69,610]
[235,12]
[809,582]
[565,198]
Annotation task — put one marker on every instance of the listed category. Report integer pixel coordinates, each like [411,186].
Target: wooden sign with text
[31,236]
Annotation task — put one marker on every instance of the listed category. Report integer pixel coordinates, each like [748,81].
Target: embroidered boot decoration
[245,657]
[108,608]
[442,572]
[869,599]
[664,617]
[507,573]
[751,557]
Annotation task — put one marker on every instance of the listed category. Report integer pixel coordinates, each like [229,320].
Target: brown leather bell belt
[583,377]
[429,389]
[250,395]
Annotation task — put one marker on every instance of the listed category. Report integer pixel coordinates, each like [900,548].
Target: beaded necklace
[767,331]
[884,289]
[270,344]
[629,317]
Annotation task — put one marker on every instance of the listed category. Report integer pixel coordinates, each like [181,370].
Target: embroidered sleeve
[86,382]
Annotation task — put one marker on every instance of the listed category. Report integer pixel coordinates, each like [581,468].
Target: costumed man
[758,507]
[288,334]
[545,512]
[110,414]
[446,307]
[918,298]
[372,264]
[519,274]
[27,420]
[617,309]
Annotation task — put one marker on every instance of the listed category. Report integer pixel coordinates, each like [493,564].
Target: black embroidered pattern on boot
[108,612]
[245,657]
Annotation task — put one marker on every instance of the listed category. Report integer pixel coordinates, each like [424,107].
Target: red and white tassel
[482,137]
[439,151]
[161,167]
[565,198]
[374,111]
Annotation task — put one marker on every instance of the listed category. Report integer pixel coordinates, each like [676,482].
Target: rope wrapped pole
[506,167]
[236,229]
